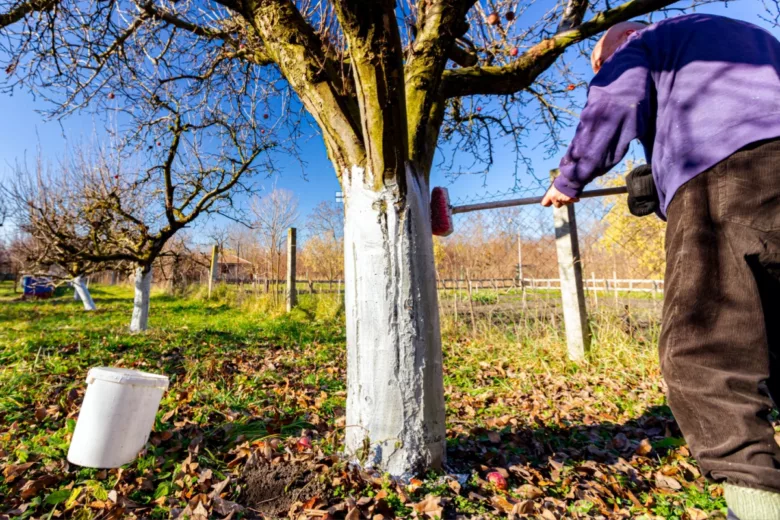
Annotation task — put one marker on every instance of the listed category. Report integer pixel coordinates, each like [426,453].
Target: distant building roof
[230,258]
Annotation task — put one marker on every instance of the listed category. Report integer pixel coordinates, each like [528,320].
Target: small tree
[48,207]
[149,207]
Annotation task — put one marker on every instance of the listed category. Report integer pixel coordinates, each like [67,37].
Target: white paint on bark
[395,394]
[81,292]
[143,287]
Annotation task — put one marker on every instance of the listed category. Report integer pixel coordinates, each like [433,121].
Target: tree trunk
[143,287]
[81,292]
[395,395]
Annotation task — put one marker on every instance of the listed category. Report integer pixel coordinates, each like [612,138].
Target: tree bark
[395,394]
[143,287]
[81,292]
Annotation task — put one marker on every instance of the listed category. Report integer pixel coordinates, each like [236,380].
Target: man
[702,94]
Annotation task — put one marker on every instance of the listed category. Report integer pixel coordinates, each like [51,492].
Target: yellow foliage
[644,236]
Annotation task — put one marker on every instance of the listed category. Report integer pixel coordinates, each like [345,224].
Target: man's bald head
[612,39]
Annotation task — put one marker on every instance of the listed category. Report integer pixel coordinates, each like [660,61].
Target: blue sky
[24,129]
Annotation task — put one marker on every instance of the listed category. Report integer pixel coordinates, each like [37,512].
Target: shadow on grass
[546,446]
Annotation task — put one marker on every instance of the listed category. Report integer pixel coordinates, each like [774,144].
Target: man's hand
[553,197]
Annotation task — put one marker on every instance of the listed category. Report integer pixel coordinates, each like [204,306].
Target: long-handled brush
[441,210]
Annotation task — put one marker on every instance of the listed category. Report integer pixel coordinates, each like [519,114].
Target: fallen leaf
[644,447]
[696,514]
[529,492]
[431,506]
[33,487]
[225,507]
[14,471]
[663,481]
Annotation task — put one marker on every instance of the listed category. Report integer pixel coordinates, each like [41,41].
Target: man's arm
[618,111]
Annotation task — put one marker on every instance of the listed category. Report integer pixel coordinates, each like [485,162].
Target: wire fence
[502,264]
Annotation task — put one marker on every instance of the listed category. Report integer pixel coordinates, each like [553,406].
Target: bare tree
[96,210]
[273,215]
[47,207]
[323,251]
[385,82]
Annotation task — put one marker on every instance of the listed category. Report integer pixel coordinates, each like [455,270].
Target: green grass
[242,370]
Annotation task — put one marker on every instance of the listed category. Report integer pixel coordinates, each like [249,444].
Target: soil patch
[272,489]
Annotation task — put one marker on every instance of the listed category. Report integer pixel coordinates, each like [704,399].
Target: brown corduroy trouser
[720,340]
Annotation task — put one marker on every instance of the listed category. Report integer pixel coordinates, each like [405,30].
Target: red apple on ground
[304,443]
[497,479]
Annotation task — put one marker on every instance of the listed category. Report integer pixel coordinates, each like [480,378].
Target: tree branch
[253,55]
[572,15]
[523,72]
[441,22]
[295,47]
[379,84]
[20,11]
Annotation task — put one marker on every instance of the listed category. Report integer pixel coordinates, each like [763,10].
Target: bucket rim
[127,376]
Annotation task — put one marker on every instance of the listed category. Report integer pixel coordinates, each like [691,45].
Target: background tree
[323,251]
[272,215]
[48,207]
[384,82]
[625,232]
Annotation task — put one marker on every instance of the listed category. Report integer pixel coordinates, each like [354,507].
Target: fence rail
[602,284]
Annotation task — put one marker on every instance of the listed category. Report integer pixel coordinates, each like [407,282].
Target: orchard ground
[253,422]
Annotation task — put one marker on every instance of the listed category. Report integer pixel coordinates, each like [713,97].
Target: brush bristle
[441,213]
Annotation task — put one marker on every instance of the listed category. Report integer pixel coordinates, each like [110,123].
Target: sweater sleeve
[618,110]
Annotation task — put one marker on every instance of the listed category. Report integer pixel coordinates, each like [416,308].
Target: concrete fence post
[572,292]
[292,291]
[213,269]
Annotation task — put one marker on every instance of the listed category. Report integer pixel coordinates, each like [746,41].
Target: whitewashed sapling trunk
[395,395]
[81,292]
[143,287]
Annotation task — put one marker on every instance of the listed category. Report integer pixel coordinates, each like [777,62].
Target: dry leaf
[529,492]
[663,481]
[644,447]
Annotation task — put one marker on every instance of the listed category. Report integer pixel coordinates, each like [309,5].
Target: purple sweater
[693,89]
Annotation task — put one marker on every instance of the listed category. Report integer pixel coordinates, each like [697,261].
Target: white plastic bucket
[116,417]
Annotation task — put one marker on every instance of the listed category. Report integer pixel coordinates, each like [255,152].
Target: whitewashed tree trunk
[395,395]
[81,292]
[143,287]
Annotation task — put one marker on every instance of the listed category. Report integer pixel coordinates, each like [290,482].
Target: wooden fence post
[213,270]
[572,293]
[615,279]
[292,292]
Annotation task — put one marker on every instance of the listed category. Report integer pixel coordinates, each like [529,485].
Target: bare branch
[572,15]
[526,69]
[19,11]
